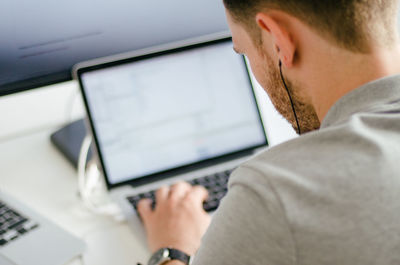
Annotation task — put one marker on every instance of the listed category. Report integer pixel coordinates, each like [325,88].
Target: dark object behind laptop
[68,141]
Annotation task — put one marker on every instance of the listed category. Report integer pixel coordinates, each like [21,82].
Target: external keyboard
[216,184]
[13,224]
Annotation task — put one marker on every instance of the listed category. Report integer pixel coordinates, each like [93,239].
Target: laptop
[28,238]
[185,111]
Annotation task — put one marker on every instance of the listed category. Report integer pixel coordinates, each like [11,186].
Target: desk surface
[32,170]
[35,173]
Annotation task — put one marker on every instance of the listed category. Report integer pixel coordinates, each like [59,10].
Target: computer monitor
[41,40]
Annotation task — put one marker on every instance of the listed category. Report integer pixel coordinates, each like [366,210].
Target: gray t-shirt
[328,197]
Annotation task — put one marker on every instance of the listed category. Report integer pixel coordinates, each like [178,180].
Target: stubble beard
[273,85]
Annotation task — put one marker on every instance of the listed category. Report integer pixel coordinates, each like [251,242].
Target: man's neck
[346,72]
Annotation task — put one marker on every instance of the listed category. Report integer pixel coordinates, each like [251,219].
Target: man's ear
[273,29]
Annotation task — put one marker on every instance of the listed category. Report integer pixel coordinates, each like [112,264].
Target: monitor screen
[41,40]
[171,110]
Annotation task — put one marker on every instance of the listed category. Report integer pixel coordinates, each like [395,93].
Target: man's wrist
[174,262]
[171,256]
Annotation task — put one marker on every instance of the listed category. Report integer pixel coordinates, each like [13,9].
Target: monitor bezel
[36,82]
[83,68]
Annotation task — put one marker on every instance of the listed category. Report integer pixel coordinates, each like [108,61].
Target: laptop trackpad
[50,246]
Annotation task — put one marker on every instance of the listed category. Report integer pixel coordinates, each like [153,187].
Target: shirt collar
[372,94]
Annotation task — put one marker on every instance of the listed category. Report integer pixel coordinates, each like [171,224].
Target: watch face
[159,257]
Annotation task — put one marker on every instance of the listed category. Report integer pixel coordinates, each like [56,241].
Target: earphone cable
[290,97]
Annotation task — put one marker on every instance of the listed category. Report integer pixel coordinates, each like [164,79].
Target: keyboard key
[21,230]
[211,205]
[30,225]
[3,241]
[221,194]
[10,235]
[193,182]
[35,226]
[135,198]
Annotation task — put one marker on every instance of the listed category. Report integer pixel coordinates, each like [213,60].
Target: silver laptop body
[169,113]
[36,240]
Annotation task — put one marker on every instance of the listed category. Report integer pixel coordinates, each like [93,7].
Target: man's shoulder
[310,152]
[363,136]
[360,148]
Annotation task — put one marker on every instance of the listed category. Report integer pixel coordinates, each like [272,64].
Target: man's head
[267,31]
[351,24]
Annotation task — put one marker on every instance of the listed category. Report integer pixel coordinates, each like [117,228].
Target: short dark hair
[352,24]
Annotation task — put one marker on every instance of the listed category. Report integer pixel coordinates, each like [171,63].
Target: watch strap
[176,254]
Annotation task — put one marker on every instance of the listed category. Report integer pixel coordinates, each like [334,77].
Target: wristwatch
[164,255]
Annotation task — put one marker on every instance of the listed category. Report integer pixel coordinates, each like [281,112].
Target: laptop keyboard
[13,224]
[216,185]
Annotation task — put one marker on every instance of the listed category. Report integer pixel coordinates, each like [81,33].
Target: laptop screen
[171,110]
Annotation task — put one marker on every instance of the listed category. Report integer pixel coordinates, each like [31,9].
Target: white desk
[32,170]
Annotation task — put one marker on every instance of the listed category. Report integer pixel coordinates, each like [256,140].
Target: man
[331,196]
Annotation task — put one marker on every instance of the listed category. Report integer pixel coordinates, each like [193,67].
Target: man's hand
[178,220]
